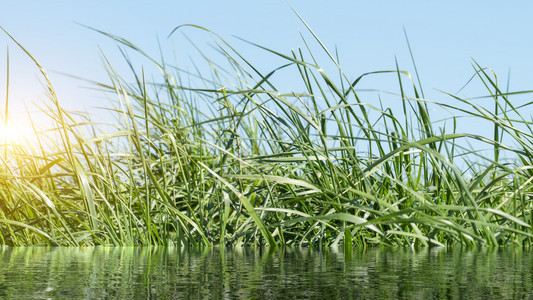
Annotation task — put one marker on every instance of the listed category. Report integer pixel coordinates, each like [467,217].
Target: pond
[162,273]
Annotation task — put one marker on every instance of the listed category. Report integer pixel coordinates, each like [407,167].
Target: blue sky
[445,37]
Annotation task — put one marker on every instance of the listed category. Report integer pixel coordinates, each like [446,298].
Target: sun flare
[15,134]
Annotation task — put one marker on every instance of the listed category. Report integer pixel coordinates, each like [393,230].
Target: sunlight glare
[15,134]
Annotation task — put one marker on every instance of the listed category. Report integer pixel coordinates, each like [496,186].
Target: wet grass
[233,160]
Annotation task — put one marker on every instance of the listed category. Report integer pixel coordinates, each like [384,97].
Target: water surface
[146,272]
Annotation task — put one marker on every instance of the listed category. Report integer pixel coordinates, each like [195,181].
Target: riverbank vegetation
[233,160]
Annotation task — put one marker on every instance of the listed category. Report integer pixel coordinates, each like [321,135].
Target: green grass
[236,161]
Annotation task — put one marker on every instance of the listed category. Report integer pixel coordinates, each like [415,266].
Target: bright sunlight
[16,133]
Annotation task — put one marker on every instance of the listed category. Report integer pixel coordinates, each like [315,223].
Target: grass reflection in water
[141,272]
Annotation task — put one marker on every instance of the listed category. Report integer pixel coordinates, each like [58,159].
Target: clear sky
[445,36]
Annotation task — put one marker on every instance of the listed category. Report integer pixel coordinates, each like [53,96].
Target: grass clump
[234,160]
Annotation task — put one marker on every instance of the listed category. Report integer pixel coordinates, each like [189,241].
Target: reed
[235,161]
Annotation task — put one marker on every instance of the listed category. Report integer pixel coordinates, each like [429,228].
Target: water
[161,273]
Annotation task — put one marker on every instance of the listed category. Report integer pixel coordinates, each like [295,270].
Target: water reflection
[145,272]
